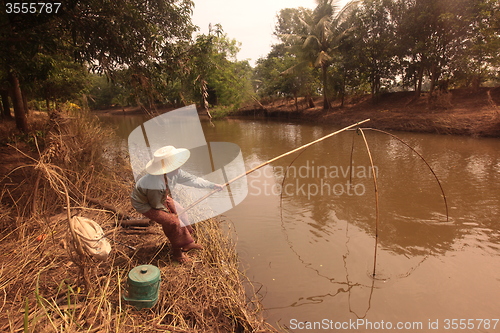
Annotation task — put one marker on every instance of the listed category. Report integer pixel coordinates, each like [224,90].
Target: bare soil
[461,111]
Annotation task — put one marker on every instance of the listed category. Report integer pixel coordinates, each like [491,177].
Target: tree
[17,102]
[477,51]
[105,35]
[373,37]
[319,42]
[282,74]
[323,35]
[21,38]
[5,104]
[287,73]
[211,64]
[377,44]
[432,32]
[290,24]
[114,34]
[56,79]
[102,92]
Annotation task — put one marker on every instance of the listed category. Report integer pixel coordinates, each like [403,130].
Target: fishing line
[423,159]
[309,265]
[316,299]
[348,283]
[273,160]
[348,239]
[412,269]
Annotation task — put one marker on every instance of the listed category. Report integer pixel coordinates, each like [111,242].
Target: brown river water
[307,242]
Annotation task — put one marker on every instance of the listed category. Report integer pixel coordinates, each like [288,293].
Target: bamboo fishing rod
[270,161]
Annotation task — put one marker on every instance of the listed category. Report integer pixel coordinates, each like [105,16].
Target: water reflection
[313,251]
[332,235]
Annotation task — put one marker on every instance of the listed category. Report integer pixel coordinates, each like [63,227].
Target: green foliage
[39,50]
[478,50]
[212,66]
[291,23]
[103,93]
[281,74]
[312,39]
[222,111]
[383,45]
[177,77]
[147,52]
[230,83]
[373,41]
[110,34]
[64,82]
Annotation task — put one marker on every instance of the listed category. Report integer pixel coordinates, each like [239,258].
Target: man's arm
[185,178]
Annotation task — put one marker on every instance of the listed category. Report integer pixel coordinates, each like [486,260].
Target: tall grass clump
[45,286]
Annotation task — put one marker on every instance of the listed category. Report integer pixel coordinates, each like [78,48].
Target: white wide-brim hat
[167,159]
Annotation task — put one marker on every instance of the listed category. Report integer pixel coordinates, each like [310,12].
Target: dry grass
[45,287]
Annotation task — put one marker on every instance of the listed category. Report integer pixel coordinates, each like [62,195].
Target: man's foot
[180,257]
[192,246]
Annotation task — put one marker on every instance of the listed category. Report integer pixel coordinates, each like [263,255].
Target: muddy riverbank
[461,111]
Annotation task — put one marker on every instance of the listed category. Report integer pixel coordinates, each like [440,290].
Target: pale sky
[249,22]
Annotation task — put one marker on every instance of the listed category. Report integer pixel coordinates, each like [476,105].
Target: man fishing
[151,197]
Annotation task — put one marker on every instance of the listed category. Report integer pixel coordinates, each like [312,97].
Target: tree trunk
[326,103]
[476,82]
[344,80]
[375,86]
[6,105]
[372,85]
[434,78]
[25,103]
[419,82]
[17,102]
[310,101]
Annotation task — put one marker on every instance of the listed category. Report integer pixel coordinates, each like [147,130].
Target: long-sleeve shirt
[150,192]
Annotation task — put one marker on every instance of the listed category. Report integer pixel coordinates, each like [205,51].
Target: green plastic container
[143,286]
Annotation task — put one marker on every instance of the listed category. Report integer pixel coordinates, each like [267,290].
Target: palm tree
[324,33]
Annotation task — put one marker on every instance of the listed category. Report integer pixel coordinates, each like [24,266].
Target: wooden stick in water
[376,203]
[270,161]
